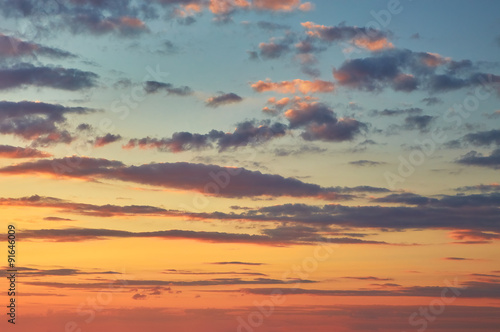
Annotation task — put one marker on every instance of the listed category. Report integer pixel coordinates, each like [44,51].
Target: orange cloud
[282,5]
[294,86]
[375,45]
[224,7]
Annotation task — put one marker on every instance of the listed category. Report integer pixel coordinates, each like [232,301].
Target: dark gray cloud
[468,289]
[246,133]
[223,99]
[450,213]
[272,26]
[405,70]
[474,158]
[41,123]
[431,101]
[320,123]
[25,74]
[277,237]
[366,163]
[210,179]
[481,188]
[474,200]
[483,138]
[154,87]
[276,47]
[474,213]
[106,139]
[418,122]
[394,112]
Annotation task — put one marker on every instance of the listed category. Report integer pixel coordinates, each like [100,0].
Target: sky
[251,165]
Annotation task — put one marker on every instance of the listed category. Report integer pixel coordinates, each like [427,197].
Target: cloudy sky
[252,165]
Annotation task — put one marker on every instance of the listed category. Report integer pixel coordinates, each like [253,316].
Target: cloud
[269,237]
[476,200]
[96,24]
[483,138]
[57,219]
[107,210]
[474,235]
[281,5]
[139,296]
[223,99]
[272,26]
[370,39]
[481,187]
[469,289]
[32,272]
[474,213]
[8,151]
[106,139]
[456,259]
[405,70]
[369,278]
[153,283]
[474,158]
[431,101]
[208,179]
[15,47]
[186,272]
[40,122]
[154,87]
[246,133]
[395,112]
[25,74]
[366,163]
[320,123]
[294,86]
[237,263]
[419,122]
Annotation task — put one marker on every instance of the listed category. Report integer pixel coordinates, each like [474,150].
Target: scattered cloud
[223,99]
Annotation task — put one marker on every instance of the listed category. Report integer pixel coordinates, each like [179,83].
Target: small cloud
[415,36]
[366,163]
[223,99]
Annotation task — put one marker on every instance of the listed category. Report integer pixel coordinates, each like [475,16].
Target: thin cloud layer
[24,74]
[246,133]
[155,87]
[208,179]
[15,47]
[9,151]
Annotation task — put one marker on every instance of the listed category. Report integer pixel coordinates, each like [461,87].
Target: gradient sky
[252,165]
